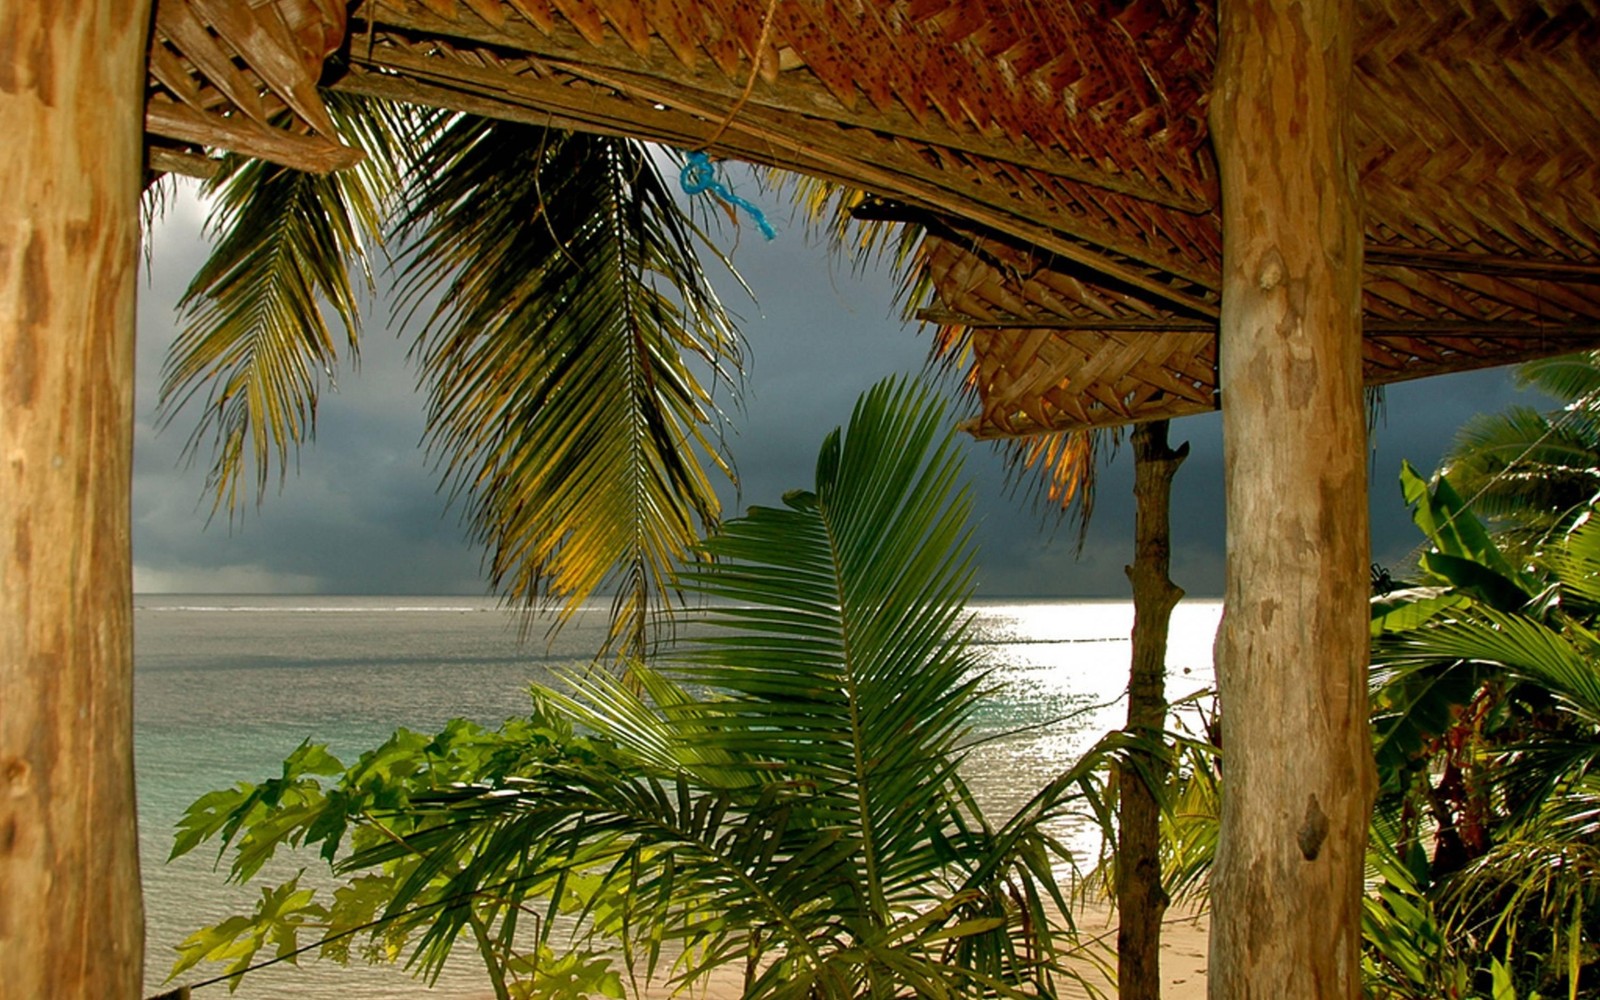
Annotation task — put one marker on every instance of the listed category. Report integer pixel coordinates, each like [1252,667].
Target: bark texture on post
[71,95]
[1141,900]
[1292,651]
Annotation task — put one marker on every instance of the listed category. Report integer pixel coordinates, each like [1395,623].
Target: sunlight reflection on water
[225,688]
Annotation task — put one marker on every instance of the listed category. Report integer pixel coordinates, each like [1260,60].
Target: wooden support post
[71,102]
[1292,651]
[1141,900]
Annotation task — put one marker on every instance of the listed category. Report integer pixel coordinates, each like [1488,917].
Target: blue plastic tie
[699,176]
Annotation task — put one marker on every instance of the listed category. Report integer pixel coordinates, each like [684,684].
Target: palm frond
[1056,474]
[572,361]
[1575,561]
[1535,892]
[856,225]
[1523,467]
[837,631]
[1519,643]
[785,791]
[1571,378]
[257,347]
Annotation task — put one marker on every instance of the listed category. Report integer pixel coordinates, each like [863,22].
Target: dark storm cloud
[362,514]
[358,511]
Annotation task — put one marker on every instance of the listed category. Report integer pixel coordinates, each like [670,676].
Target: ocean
[226,687]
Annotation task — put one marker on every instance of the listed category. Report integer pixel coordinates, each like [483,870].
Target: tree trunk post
[1292,651]
[71,109]
[1141,900]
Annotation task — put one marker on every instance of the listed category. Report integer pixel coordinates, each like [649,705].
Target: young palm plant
[779,793]
[1059,472]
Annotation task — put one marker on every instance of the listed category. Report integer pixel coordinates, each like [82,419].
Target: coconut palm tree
[563,298]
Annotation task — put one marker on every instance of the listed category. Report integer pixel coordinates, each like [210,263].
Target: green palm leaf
[573,356]
[838,636]
[257,346]
[1563,661]
[786,787]
[1576,562]
[1531,470]
[1571,378]
[563,402]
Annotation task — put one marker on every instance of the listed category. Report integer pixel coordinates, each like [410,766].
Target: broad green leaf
[1400,610]
[1454,531]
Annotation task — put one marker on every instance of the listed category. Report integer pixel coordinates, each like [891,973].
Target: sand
[1184,938]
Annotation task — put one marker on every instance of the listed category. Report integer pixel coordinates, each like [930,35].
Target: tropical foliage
[779,794]
[572,347]
[1487,727]
[1533,473]
[1483,869]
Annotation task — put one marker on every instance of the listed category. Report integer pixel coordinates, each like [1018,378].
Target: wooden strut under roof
[1068,166]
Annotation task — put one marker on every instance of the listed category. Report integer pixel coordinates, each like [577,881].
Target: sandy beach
[1185,935]
[1184,939]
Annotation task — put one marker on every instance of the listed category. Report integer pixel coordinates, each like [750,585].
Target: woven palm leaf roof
[1057,150]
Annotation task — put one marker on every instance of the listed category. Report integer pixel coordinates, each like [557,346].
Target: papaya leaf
[279,915]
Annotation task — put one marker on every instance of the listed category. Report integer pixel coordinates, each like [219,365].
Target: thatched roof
[1058,152]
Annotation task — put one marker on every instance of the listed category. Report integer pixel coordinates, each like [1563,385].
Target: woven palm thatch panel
[1063,81]
[1033,381]
[1054,348]
[1477,126]
[1478,123]
[998,282]
[678,74]
[243,77]
[1060,146]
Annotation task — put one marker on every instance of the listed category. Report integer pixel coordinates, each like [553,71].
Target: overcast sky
[362,516]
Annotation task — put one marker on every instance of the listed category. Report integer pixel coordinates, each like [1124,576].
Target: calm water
[226,687]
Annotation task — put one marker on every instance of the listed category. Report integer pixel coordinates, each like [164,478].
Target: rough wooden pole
[1292,652]
[1141,900]
[71,97]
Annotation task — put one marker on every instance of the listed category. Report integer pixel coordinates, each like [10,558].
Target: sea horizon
[226,685]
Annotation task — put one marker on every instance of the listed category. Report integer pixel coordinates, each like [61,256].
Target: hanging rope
[699,176]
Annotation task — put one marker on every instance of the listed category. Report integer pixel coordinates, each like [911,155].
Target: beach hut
[1141,209]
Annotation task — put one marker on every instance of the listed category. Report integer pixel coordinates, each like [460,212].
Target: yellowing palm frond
[257,347]
[573,359]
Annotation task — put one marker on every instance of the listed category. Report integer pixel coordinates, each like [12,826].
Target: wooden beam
[246,136]
[675,114]
[1509,330]
[948,317]
[1292,650]
[561,45]
[1483,263]
[71,81]
[176,161]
